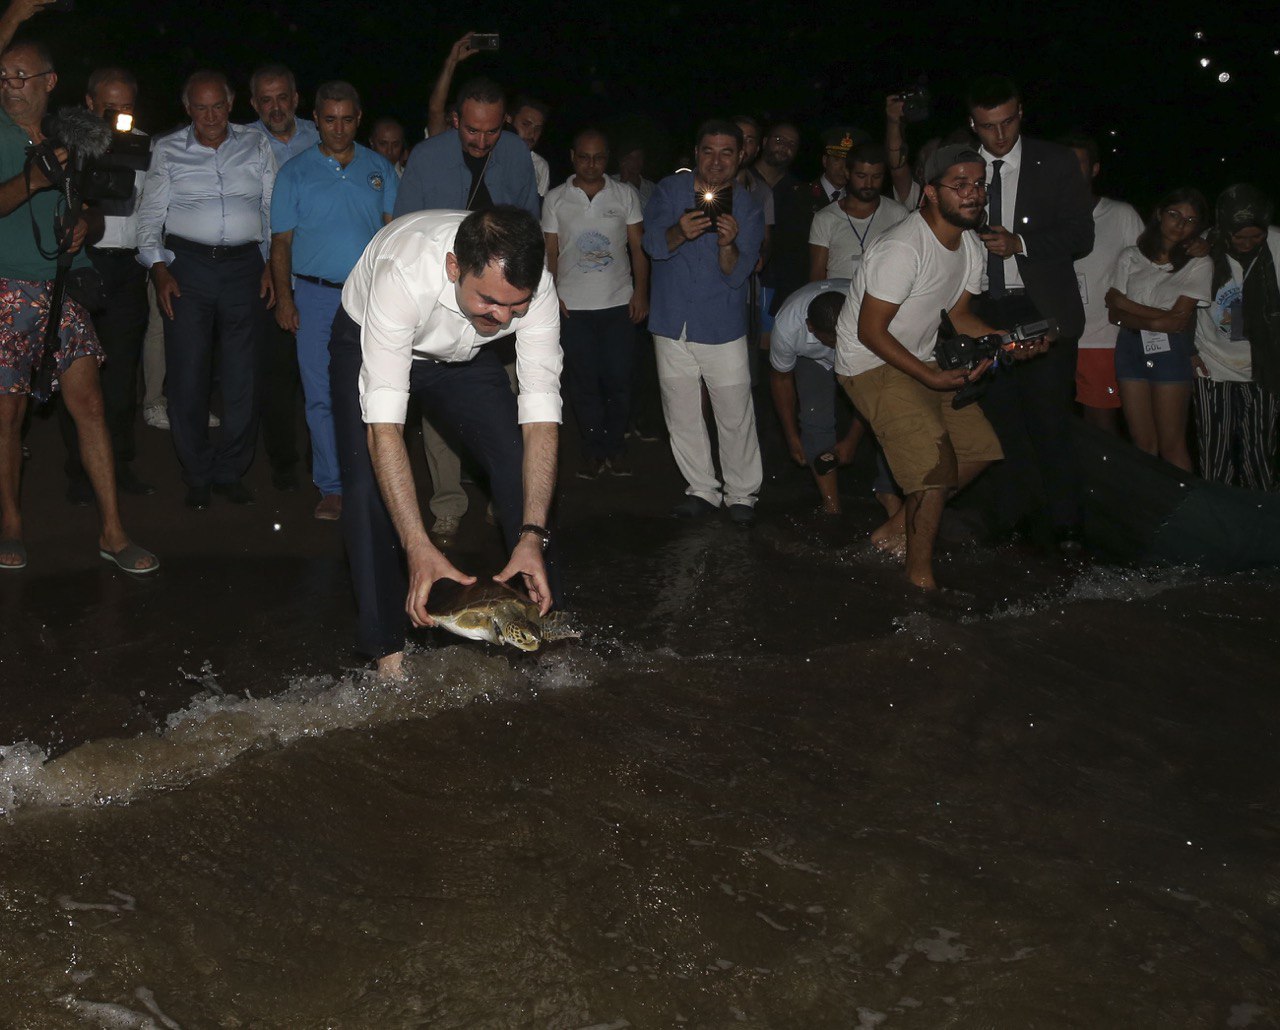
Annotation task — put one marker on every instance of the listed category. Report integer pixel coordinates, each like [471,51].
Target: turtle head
[520,634]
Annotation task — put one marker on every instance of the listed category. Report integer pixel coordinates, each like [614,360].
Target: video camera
[103,154]
[956,350]
[916,99]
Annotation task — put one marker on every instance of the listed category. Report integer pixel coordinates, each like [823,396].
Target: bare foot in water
[391,667]
[890,543]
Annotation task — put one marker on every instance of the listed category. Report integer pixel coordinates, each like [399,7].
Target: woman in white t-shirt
[1156,289]
[1237,394]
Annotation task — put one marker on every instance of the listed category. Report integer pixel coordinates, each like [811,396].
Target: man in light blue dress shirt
[203,227]
[273,94]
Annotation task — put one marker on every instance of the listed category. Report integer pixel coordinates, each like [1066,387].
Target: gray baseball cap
[944,157]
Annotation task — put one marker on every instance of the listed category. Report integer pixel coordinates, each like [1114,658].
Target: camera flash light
[124,123]
[709,196]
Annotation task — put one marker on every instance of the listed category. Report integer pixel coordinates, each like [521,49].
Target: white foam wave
[216,728]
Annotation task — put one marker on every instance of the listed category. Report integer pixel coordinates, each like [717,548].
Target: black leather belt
[318,281]
[219,253]
[1012,291]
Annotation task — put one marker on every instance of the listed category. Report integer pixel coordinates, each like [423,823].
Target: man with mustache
[885,336]
[328,203]
[420,311]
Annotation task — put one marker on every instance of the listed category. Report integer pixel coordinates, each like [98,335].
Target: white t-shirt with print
[908,266]
[838,232]
[1220,337]
[594,268]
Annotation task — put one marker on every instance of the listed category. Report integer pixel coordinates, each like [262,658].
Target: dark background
[661,66]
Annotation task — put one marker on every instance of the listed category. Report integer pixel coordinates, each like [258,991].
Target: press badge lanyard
[861,237]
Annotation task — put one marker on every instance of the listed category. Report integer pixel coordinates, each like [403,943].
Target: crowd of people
[253,263]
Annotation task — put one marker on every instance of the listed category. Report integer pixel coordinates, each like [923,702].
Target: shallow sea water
[769,789]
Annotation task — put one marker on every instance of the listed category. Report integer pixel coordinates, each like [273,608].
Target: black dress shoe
[236,493]
[131,484]
[197,498]
[79,492]
[285,480]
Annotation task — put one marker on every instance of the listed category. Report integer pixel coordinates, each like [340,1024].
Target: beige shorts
[923,436]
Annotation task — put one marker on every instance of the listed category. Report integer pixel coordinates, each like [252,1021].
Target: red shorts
[1096,377]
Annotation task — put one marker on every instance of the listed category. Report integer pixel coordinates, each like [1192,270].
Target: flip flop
[126,559]
[14,547]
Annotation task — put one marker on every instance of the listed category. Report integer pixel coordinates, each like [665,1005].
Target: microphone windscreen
[79,129]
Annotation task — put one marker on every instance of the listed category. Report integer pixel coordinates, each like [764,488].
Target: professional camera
[916,99]
[103,154]
[957,350]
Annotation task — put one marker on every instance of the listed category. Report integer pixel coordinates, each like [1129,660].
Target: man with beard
[842,231]
[788,263]
[328,203]
[885,336]
[699,321]
[273,94]
[470,168]
[420,312]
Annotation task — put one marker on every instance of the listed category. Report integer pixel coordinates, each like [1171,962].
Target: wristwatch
[541,532]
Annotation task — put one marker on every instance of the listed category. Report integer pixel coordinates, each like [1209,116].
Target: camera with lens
[916,99]
[103,154]
[957,350]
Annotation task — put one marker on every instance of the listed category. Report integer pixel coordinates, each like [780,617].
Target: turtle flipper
[559,626]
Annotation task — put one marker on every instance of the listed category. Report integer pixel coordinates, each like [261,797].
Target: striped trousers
[1236,433]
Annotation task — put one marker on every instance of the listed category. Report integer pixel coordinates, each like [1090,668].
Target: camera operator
[120,320]
[885,338]
[27,77]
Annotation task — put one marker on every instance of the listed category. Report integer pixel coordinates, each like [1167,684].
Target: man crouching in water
[431,290]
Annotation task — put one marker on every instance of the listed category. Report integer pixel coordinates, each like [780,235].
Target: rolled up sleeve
[539,358]
[386,345]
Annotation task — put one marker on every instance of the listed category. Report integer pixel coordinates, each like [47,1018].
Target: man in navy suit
[1039,220]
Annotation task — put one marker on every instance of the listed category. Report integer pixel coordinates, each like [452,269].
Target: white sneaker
[156,415]
[214,421]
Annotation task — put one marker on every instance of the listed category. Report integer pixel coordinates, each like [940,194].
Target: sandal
[126,559]
[17,548]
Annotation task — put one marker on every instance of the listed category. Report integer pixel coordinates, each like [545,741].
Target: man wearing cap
[829,187]
[1040,214]
[885,336]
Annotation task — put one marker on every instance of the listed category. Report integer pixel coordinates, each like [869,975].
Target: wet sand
[772,788]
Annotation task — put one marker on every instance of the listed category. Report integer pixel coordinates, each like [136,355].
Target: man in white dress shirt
[203,228]
[429,292]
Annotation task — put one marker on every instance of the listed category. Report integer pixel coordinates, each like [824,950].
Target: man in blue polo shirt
[328,203]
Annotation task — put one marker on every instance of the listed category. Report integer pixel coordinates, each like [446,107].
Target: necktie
[995,263]
[835,195]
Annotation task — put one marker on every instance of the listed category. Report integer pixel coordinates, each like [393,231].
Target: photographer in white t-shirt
[929,263]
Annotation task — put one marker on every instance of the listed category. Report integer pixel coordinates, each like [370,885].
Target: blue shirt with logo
[332,211]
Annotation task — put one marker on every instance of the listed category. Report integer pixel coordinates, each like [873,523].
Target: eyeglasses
[1178,218]
[964,189]
[22,78]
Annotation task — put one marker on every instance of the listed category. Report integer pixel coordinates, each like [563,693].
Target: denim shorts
[1171,366]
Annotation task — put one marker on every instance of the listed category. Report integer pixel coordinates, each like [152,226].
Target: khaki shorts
[923,436]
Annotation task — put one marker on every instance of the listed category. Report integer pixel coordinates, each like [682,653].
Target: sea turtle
[496,613]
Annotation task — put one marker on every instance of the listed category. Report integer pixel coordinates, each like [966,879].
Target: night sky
[1126,68]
